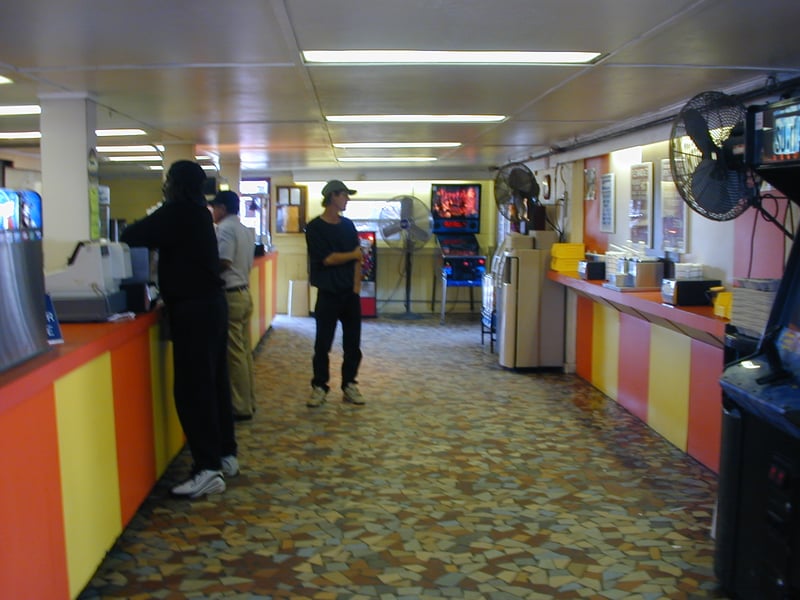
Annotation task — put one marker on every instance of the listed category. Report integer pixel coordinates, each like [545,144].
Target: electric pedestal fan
[516,193]
[406,223]
[707,159]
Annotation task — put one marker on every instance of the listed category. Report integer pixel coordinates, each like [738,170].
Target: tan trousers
[240,352]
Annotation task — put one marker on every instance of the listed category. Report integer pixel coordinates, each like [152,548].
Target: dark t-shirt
[322,239]
[188,259]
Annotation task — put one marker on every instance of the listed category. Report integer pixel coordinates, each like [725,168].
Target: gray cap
[334,186]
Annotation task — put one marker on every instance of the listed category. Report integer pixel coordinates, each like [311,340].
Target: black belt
[238,288]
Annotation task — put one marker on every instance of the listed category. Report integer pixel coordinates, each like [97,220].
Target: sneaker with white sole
[230,466]
[352,394]
[318,397]
[207,481]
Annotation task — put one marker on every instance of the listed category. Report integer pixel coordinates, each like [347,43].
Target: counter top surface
[698,322]
[82,343]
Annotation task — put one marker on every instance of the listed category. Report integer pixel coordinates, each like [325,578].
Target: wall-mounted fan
[405,223]
[515,190]
[707,157]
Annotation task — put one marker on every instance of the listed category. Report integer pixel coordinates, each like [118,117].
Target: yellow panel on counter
[255,296]
[167,430]
[668,398]
[88,458]
[605,350]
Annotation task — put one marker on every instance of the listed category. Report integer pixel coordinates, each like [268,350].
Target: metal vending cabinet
[530,312]
[368,274]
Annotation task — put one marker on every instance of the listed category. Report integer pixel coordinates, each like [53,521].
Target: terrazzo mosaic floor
[459,479]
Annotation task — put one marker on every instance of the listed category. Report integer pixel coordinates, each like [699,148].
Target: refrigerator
[369,307]
[530,312]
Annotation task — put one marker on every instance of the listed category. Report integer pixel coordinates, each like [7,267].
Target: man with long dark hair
[182,231]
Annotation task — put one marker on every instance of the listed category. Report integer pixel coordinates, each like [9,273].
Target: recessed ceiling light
[20,135]
[446,57]
[389,159]
[399,145]
[142,158]
[138,148]
[416,118]
[20,109]
[118,132]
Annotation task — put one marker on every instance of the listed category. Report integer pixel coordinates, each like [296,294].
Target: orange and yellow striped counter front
[661,362]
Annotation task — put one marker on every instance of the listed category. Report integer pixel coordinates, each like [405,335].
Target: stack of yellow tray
[565,257]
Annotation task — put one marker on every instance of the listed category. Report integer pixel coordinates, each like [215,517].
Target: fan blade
[710,187]
[697,130]
[406,208]
[418,233]
[391,229]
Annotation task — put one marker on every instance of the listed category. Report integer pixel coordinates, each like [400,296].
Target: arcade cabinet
[456,212]
[757,548]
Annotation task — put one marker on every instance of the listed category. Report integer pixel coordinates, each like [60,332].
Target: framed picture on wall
[641,206]
[608,205]
[590,183]
[673,213]
[290,209]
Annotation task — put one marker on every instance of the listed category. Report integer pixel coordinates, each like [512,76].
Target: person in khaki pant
[236,250]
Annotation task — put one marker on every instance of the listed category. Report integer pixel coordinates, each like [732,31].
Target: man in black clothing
[334,260]
[182,231]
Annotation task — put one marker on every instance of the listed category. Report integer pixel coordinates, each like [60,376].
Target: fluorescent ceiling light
[20,135]
[20,109]
[118,132]
[416,118]
[399,145]
[4,80]
[142,158]
[446,57]
[139,148]
[389,159]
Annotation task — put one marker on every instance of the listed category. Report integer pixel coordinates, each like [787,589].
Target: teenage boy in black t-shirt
[334,262]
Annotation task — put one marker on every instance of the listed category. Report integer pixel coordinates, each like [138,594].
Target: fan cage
[722,114]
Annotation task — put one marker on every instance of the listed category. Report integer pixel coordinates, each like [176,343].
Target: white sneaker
[318,397]
[203,482]
[230,466]
[352,394]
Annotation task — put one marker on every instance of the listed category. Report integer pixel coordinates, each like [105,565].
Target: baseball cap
[228,199]
[334,186]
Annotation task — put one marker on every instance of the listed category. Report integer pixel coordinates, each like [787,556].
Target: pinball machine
[456,210]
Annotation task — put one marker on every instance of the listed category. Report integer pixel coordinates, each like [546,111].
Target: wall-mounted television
[456,207]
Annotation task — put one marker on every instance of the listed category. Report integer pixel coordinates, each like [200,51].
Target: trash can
[298,298]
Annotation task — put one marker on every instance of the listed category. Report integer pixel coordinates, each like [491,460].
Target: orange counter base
[86,430]
[661,362]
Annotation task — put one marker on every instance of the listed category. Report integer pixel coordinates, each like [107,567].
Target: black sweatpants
[199,332]
[331,308]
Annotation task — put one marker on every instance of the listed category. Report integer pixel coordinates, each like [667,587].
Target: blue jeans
[331,308]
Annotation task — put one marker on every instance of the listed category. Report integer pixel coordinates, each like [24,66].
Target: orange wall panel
[705,404]
[133,419]
[33,561]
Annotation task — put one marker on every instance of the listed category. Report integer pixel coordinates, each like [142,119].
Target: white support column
[232,172]
[68,137]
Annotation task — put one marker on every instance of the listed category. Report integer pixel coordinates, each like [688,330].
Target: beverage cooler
[369,306]
[22,292]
